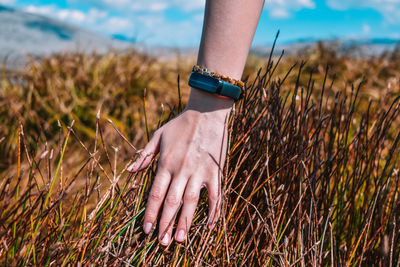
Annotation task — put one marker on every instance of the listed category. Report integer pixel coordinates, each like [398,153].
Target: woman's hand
[192,146]
[192,154]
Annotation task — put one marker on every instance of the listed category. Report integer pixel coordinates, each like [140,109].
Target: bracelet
[212,82]
[204,71]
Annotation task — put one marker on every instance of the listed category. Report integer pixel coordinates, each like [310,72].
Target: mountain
[23,33]
[361,47]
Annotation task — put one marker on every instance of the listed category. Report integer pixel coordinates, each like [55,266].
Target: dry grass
[311,178]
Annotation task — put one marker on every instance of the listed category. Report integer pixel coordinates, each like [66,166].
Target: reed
[311,175]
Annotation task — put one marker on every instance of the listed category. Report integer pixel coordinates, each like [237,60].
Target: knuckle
[191,196]
[146,153]
[163,162]
[172,200]
[156,194]
[142,154]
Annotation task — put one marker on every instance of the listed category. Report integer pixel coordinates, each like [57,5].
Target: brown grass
[311,177]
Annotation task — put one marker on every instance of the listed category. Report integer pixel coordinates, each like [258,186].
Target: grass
[311,176]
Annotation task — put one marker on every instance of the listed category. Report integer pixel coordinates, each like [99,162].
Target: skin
[192,146]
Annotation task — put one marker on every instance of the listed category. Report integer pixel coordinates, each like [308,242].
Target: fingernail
[130,168]
[180,235]
[147,227]
[165,240]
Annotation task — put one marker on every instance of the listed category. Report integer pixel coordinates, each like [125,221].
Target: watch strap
[214,85]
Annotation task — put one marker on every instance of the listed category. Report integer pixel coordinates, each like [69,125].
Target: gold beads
[216,75]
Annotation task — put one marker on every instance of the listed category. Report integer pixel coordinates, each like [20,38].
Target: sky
[179,22]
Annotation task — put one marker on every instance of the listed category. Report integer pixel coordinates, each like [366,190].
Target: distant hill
[355,47]
[23,33]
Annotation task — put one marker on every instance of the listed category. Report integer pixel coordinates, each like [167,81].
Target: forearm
[228,30]
[192,146]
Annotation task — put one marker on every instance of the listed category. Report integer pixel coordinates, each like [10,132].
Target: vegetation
[311,177]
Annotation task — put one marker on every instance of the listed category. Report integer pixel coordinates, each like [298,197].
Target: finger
[170,209]
[156,198]
[148,153]
[214,202]
[190,200]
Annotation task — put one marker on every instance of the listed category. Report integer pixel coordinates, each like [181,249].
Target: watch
[214,85]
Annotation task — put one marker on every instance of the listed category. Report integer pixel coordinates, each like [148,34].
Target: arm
[193,145]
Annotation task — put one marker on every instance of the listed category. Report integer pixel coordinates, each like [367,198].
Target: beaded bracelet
[214,83]
[225,78]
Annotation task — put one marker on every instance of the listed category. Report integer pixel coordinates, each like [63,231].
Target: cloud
[147,5]
[119,3]
[158,5]
[366,29]
[68,15]
[390,9]
[7,2]
[94,19]
[77,16]
[42,10]
[157,29]
[150,7]
[281,13]
[144,20]
[192,5]
[284,8]
[116,25]
[151,20]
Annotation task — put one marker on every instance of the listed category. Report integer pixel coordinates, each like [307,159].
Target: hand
[192,154]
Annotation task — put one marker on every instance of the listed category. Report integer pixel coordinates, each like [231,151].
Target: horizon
[151,22]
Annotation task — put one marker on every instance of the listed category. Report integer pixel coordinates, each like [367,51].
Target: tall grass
[74,87]
[311,177]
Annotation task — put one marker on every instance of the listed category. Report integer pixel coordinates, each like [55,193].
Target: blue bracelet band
[214,85]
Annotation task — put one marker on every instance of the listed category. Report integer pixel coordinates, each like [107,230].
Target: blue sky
[179,22]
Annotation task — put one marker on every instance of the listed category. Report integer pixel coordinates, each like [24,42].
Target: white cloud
[75,16]
[117,25]
[156,29]
[139,19]
[190,5]
[279,13]
[7,2]
[395,35]
[120,3]
[149,5]
[72,15]
[157,5]
[42,10]
[95,14]
[390,9]
[94,19]
[366,29]
[151,23]
[284,8]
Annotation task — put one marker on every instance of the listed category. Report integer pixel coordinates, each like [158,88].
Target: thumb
[147,154]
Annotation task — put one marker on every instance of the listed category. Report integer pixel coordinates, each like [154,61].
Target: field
[311,177]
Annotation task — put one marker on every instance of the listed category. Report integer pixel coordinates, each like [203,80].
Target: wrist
[204,102]
[211,105]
